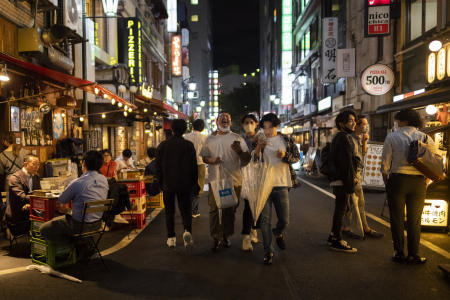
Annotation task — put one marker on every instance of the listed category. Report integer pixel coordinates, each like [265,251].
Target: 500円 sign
[377,79]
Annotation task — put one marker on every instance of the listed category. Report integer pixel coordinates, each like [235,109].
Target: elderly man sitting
[91,186]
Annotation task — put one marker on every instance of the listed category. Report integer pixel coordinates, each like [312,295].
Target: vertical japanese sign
[286,52]
[130,45]
[377,17]
[346,62]
[176,55]
[329,49]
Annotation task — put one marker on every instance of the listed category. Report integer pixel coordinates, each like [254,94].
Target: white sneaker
[187,238]
[254,236]
[247,243]
[172,242]
[120,219]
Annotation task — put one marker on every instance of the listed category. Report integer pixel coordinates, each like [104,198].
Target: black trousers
[185,208]
[340,208]
[247,219]
[410,190]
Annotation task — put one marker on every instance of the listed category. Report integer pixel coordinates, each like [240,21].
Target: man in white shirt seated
[125,161]
[91,186]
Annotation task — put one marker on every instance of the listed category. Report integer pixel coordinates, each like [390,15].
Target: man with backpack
[339,164]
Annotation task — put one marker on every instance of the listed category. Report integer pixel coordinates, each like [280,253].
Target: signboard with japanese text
[346,62]
[329,50]
[372,166]
[377,79]
[176,55]
[435,213]
[377,18]
[130,45]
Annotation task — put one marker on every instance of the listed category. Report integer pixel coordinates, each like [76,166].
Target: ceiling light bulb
[63,115]
[125,113]
[81,119]
[126,107]
[113,101]
[4,74]
[96,91]
[145,110]
[105,96]
[103,116]
[431,109]
[435,45]
[119,104]
[130,110]
[155,113]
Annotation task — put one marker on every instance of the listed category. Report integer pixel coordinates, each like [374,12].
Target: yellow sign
[448,61]
[431,67]
[147,92]
[435,213]
[441,64]
[134,50]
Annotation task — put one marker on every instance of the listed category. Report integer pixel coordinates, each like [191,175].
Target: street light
[198,109]
[276,101]
[272,97]
[192,86]
[202,103]
[4,74]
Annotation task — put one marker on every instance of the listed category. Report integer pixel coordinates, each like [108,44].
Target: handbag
[423,159]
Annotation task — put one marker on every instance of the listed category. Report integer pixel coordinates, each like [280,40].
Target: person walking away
[109,166]
[278,151]
[198,139]
[176,165]
[249,234]
[344,178]
[224,152]
[405,185]
[89,187]
[125,161]
[20,185]
[359,142]
[11,159]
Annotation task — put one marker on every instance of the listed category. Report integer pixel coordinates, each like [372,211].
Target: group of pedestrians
[181,167]
[404,183]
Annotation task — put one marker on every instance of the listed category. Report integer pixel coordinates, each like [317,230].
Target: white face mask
[224,129]
[395,128]
[365,129]
[249,128]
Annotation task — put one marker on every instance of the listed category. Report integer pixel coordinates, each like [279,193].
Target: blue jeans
[279,197]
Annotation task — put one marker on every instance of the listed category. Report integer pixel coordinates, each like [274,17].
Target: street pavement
[307,269]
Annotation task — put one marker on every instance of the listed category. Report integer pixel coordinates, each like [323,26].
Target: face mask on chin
[248,128]
[224,129]
[365,129]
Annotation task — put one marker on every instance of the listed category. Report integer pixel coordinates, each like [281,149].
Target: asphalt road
[307,269]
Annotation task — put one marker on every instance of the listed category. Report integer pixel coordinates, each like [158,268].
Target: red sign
[378,2]
[176,55]
[378,20]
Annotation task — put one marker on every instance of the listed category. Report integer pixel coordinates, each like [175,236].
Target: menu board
[372,166]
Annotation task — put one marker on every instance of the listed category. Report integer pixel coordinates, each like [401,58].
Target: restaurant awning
[62,78]
[162,105]
[433,96]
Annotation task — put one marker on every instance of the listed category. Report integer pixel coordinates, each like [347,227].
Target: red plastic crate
[138,219]
[135,188]
[138,204]
[42,209]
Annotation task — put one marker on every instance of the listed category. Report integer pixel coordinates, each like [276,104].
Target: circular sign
[45,108]
[377,79]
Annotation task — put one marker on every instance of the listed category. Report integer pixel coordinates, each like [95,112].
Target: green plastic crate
[45,253]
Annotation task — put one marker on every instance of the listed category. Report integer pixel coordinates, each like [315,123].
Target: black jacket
[176,165]
[344,161]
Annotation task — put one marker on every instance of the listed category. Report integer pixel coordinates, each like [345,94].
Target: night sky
[235,33]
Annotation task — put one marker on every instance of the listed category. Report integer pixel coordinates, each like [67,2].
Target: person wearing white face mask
[249,234]
[359,140]
[224,152]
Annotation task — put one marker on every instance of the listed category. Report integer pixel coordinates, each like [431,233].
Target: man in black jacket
[344,179]
[177,171]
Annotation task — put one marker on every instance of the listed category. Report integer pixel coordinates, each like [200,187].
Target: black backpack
[326,166]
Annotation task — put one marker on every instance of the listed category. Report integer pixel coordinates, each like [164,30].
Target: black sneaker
[399,257]
[216,246]
[342,246]
[268,258]
[226,243]
[415,260]
[373,234]
[281,242]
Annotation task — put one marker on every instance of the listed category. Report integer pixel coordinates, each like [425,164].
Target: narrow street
[307,269]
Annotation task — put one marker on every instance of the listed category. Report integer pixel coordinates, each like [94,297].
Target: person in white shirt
[224,152]
[125,161]
[405,185]
[198,139]
[272,148]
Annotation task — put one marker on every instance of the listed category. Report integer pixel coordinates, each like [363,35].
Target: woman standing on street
[404,185]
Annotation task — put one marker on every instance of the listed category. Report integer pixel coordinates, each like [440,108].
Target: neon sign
[133,55]
[176,55]
[147,92]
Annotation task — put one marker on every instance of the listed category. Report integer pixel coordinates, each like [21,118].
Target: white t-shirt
[281,174]
[198,140]
[220,146]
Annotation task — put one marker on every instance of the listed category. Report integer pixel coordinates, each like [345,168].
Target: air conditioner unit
[72,15]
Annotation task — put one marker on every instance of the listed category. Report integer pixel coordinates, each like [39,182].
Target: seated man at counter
[91,186]
[125,161]
[21,184]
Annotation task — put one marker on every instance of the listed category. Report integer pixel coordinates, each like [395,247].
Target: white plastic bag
[354,217]
[223,191]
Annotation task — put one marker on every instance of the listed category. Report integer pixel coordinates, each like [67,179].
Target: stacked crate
[43,209]
[136,189]
[155,201]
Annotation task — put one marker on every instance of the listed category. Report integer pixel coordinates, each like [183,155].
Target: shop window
[422,17]
[194,18]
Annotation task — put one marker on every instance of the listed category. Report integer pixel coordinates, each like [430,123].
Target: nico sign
[377,79]
[377,18]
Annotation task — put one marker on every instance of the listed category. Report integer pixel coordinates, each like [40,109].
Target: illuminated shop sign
[130,45]
[176,55]
[324,104]
[286,53]
[435,213]
[147,91]
[172,25]
[377,18]
[438,64]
